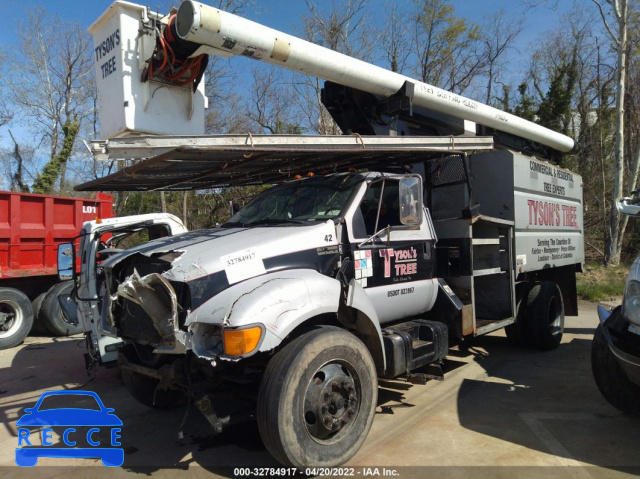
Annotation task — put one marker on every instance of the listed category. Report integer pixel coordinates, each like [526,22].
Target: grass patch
[598,283]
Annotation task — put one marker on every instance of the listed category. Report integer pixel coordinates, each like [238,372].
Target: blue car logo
[76,426]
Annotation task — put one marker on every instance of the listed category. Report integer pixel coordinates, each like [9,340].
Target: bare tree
[336,28]
[45,83]
[498,35]
[341,28]
[395,39]
[619,11]
[270,105]
[447,47]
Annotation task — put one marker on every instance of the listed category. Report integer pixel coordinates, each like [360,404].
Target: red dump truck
[31,227]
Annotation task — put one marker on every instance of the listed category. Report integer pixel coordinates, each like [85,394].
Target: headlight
[631,302]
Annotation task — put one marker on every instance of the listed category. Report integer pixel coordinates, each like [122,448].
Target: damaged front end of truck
[200,314]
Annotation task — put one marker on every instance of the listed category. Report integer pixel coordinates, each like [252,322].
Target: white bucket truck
[437,220]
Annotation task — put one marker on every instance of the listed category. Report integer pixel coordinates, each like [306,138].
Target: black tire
[326,373]
[545,316]
[516,332]
[51,312]
[38,328]
[144,389]
[610,378]
[16,317]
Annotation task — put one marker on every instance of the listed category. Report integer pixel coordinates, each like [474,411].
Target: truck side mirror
[630,205]
[66,256]
[410,201]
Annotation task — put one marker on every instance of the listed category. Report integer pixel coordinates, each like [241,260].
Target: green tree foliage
[46,180]
[556,108]
[526,106]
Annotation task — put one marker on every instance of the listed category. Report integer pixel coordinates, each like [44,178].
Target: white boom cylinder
[230,35]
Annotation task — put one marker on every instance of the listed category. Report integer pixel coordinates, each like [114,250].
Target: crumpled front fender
[280,301]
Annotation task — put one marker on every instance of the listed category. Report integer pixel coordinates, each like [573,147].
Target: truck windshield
[312,199]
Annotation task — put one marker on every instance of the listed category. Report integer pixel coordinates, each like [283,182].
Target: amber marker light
[238,342]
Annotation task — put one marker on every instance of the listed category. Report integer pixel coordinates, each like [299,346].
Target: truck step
[412,345]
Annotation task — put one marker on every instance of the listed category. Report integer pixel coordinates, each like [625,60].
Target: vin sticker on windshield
[242,265]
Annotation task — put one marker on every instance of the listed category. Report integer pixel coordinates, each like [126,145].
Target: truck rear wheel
[610,378]
[317,399]
[51,312]
[16,317]
[545,316]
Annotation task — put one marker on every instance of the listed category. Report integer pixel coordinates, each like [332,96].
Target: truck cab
[365,233]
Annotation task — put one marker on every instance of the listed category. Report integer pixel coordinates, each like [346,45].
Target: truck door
[393,245]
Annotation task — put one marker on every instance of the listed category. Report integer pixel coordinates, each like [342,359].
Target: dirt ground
[500,412]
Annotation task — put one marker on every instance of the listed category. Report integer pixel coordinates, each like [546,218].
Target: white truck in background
[615,350]
[98,240]
[438,220]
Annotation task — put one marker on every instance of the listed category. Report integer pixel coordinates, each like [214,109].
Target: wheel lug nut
[326,396]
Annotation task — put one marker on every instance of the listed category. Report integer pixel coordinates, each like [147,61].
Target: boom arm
[228,35]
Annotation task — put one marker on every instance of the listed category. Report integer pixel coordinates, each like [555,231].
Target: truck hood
[209,261]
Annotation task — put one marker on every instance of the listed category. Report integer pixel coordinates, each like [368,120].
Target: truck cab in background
[98,241]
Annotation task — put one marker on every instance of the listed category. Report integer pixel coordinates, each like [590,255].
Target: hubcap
[331,401]
[10,318]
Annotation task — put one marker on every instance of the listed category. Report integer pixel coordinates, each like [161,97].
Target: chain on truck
[434,219]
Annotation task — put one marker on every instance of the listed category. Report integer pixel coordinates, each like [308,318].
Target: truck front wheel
[545,316]
[317,399]
[16,317]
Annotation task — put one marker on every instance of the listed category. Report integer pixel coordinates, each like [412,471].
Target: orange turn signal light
[238,342]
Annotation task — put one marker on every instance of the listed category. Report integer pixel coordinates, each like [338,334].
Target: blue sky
[280,14]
